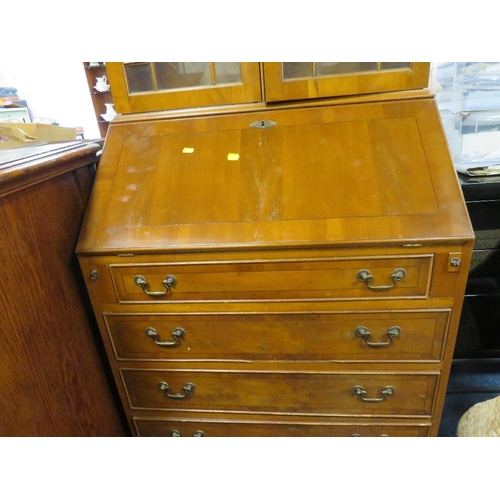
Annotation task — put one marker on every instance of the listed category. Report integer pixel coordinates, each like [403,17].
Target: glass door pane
[394,65]
[293,70]
[227,72]
[178,75]
[339,68]
[139,77]
[297,70]
[150,77]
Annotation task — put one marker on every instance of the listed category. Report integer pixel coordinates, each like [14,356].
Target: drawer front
[281,392]
[341,279]
[149,427]
[353,336]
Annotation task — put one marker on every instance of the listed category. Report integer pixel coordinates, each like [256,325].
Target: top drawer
[274,279]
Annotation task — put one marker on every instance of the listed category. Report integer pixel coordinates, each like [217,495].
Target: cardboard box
[14,135]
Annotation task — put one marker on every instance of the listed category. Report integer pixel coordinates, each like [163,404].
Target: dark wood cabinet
[54,379]
[99,97]
[478,334]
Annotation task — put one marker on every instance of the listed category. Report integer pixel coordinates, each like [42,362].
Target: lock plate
[454,262]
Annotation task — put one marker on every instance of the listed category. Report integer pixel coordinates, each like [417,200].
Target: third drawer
[306,393]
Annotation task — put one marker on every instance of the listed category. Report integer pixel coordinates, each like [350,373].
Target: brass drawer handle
[359,390]
[366,277]
[178,334]
[187,389]
[364,333]
[198,434]
[359,435]
[168,283]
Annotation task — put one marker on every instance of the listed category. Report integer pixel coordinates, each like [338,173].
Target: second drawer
[355,336]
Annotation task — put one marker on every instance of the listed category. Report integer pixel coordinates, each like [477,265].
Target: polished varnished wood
[280,194]
[426,265]
[280,393]
[246,228]
[263,82]
[300,335]
[262,279]
[53,380]
[150,427]
[248,91]
[348,83]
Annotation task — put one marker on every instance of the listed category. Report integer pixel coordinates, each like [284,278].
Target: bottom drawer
[150,427]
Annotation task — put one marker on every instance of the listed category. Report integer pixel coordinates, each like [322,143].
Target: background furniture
[479,333]
[54,380]
[99,98]
[294,269]
[475,372]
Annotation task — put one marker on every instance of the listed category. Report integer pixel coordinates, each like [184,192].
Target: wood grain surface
[52,371]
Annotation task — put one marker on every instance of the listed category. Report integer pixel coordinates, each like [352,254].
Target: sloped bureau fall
[294,270]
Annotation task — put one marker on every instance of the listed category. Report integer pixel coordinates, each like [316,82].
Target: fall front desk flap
[333,174]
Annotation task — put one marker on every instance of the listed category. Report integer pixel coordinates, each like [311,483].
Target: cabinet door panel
[290,81]
[155,86]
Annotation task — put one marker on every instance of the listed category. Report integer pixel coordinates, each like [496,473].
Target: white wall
[56,91]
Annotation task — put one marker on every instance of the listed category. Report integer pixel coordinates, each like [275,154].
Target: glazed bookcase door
[304,80]
[155,86]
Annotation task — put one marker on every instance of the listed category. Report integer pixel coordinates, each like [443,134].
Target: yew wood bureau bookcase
[277,249]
